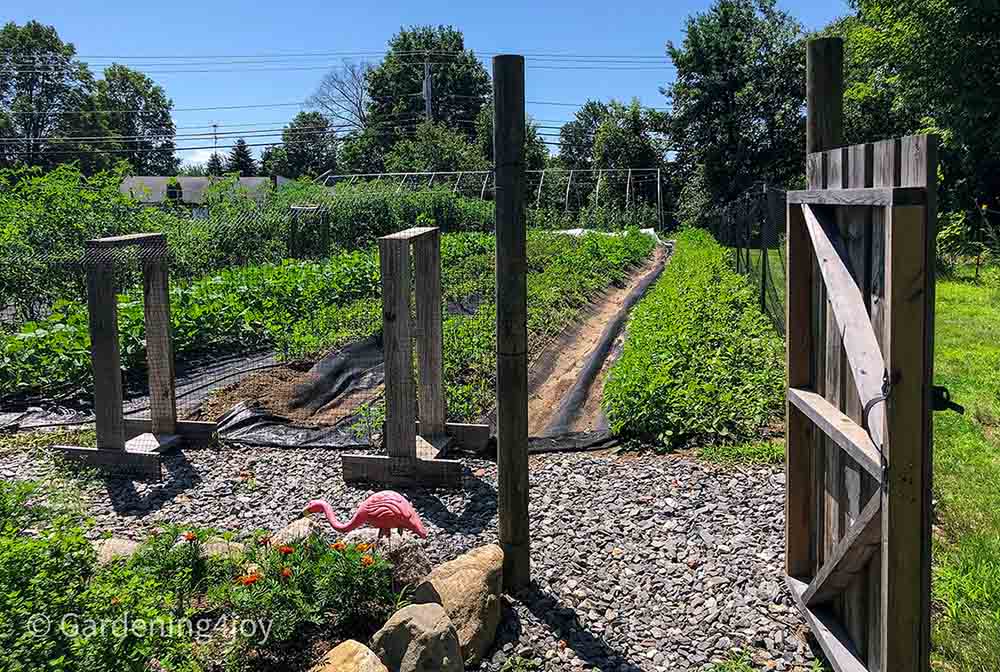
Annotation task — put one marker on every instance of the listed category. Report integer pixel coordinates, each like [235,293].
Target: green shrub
[167,607]
[700,363]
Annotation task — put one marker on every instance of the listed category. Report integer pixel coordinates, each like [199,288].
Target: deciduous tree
[139,120]
[738,98]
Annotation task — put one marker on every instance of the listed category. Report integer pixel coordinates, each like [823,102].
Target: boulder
[295,531]
[468,588]
[112,549]
[419,638]
[410,564]
[218,548]
[349,656]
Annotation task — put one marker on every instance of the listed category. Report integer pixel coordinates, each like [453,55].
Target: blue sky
[136,33]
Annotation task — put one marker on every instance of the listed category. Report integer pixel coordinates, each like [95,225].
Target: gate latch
[941,400]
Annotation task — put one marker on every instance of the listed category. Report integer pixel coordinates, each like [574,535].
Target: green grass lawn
[967,480]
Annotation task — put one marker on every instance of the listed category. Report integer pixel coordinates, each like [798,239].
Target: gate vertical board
[872,613]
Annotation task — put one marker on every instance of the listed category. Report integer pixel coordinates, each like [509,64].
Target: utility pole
[428,90]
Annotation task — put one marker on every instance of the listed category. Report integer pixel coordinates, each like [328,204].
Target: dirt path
[559,367]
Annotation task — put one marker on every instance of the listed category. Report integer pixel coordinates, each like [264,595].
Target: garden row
[700,364]
[302,309]
[45,220]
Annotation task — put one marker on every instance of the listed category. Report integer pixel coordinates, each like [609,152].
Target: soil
[274,390]
[558,368]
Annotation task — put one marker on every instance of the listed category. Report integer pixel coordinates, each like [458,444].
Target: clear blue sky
[132,31]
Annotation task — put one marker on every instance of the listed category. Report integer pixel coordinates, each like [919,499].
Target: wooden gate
[860,292]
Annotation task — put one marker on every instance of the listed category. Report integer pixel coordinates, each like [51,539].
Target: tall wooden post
[159,347]
[512,311]
[103,305]
[824,93]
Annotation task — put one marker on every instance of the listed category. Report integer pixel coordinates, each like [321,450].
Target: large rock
[349,656]
[113,549]
[468,588]
[419,638]
[410,564]
[295,531]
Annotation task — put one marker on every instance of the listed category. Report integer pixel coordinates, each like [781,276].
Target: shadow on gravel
[566,625]
[180,476]
[478,513]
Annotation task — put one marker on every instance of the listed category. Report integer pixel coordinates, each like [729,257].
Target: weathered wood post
[512,310]
[159,345]
[103,308]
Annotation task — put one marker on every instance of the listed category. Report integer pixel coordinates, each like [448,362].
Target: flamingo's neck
[343,528]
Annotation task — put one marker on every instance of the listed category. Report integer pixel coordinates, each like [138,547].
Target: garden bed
[641,563]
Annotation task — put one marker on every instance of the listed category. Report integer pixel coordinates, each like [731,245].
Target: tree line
[735,108]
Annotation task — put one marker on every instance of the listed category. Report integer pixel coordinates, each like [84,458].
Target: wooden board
[402,471]
[427,276]
[841,429]
[874,196]
[102,302]
[828,632]
[799,442]
[468,436]
[400,416]
[194,432]
[143,464]
[849,557]
[159,347]
[848,307]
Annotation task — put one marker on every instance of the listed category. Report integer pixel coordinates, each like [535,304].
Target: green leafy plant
[700,363]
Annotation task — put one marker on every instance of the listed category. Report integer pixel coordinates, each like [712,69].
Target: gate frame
[886,193]
[132,446]
[415,448]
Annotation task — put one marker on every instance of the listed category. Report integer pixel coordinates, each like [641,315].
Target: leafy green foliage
[737,100]
[309,148]
[249,307]
[434,148]
[700,362]
[34,102]
[240,160]
[460,83]
[196,612]
[564,273]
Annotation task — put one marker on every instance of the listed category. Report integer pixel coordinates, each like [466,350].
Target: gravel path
[641,563]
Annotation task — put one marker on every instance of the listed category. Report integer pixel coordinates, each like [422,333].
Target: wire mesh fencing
[752,227]
[273,311]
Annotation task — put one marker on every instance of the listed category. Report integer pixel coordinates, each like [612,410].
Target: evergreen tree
[241,160]
[214,165]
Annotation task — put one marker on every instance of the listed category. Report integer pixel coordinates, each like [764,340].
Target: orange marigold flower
[362,547]
[286,550]
[286,572]
[367,560]
[339,546]
[189,536]
[249,579]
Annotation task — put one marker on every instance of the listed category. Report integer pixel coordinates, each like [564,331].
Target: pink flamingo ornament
[384,510]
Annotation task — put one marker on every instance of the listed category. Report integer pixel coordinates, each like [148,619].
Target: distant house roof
[153,189]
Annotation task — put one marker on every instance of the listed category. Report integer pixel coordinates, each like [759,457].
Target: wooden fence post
[512,331]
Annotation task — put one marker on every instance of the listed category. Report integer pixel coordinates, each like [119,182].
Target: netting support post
[103,308]
[132,446]
[512,331]
[159,347]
